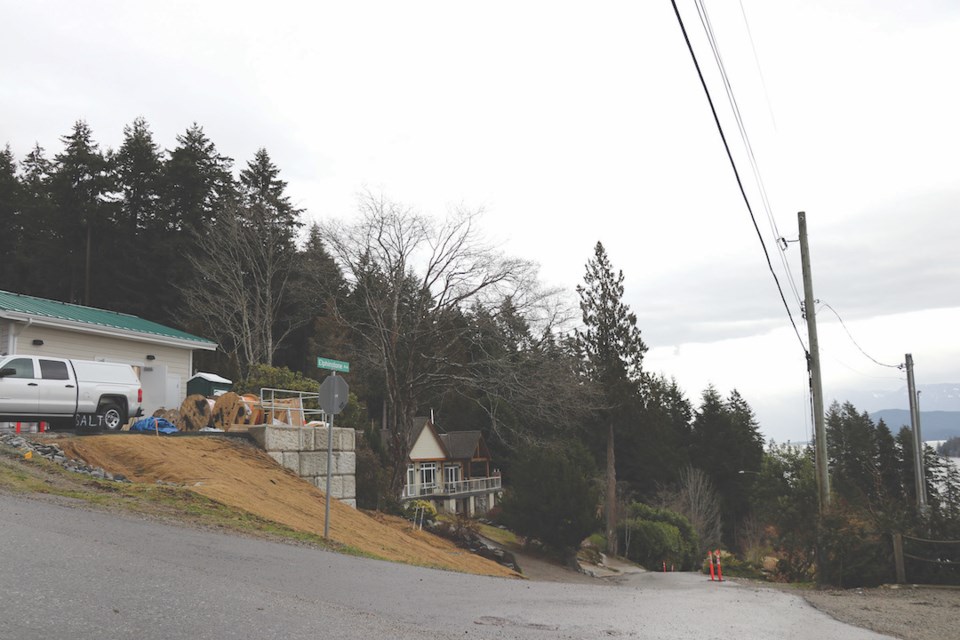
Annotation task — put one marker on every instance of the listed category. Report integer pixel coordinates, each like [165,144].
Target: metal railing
[455,488]
[295,408]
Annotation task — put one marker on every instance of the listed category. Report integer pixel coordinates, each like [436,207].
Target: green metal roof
[74,313]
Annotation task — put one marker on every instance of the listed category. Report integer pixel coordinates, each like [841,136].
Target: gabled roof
[464,445]
[423,427]
[62,315]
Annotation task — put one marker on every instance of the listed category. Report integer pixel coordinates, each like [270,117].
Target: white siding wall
[81,346]
[426,447]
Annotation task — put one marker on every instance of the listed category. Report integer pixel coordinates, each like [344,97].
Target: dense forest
[432,318]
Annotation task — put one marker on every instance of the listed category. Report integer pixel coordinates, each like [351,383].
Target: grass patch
[504,537]
[167,503]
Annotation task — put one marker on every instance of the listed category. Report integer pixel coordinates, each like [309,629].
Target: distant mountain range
[934,425]
[939,408]
[933,397]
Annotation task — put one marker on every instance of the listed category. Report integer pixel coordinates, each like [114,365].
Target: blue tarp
[152,425]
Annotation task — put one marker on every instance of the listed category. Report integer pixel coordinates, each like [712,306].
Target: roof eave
[82,327]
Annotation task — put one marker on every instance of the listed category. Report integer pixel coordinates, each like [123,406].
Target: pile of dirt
[244,477]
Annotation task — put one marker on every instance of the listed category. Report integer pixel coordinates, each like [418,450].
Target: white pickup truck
[58,390]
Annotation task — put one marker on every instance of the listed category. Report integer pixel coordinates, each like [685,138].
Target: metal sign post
[334,394]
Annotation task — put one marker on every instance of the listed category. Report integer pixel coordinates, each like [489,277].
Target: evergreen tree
[138,165]
[612,354]
[315,282]
[551,497]
[265,196]
[35,272]
[197,186]
[197,183]
[852,452]
[81,187]
[888,472]
[657,448]
[11,218]
[141,237]
[725,442]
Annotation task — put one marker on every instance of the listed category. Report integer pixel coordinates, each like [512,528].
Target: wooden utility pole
[813,365]
[918,473]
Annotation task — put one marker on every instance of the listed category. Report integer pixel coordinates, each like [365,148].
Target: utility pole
[918,473]
[813,365]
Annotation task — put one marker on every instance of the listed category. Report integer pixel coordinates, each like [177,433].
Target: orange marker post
[710,560]
[719,568]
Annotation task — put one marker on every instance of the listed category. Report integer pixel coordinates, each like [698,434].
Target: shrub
[264,376]
[429,511]
[551,497]
[854,553]
[652,536]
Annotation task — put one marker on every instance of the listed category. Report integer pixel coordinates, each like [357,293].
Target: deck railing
[452,489]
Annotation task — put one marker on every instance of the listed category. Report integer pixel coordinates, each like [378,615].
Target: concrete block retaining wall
[303,450]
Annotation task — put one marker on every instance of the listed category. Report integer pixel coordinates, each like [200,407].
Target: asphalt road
[71,573]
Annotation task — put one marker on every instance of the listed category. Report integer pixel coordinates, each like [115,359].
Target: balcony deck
[460,488]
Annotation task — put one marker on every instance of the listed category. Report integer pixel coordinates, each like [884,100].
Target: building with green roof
[163,356]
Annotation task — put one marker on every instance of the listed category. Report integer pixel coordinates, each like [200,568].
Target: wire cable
[756,59]
[855,343]
[738,117]
[736,174]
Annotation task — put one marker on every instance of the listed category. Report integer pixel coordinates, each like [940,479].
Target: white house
[451,470]
[162,356]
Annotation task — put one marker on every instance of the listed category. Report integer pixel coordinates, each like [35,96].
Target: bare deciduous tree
[242,270]
[411,281]
[695,497]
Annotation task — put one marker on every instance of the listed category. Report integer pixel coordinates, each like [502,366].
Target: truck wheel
[114,416]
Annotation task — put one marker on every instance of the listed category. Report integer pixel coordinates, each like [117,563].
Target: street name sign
[333,365]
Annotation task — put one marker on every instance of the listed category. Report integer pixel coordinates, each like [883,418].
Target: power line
[855,343]
[756,59]
[738,117]
[736,173]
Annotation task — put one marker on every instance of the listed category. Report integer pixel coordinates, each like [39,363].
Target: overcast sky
[569,123]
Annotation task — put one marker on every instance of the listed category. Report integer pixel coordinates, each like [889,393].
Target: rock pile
[54,453]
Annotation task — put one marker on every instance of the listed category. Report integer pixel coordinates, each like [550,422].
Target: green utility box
[208,384]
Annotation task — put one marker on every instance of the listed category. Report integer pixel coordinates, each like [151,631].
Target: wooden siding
[81,346]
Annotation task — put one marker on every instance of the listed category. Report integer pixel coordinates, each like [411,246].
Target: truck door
[20,391]
[58,391]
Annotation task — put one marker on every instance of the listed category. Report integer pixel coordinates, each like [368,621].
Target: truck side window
[53,370]
[24,367]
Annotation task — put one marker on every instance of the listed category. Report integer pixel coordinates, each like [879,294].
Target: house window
[428,475]
[411,475]
[451,473]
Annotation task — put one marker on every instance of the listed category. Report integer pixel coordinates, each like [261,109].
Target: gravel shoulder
[908,612]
